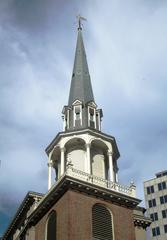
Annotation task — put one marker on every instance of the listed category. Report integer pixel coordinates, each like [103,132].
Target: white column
[117,176]
[68,118]
[88,117]
[95,117]
[88,169]
[81,114]
[49,171]
[111,170]
[62,162]
[99,121]
[64,122]
[74,116]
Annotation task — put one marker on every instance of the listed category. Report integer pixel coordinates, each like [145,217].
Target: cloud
[127,65]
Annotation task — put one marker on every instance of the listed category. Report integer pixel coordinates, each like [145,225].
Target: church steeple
[81,111]
[81,88]
[82,145]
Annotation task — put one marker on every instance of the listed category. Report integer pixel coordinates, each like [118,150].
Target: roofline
[155,178]
[66,183]
[162,172]
[19,210]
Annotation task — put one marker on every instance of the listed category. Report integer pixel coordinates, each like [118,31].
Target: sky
[126,49]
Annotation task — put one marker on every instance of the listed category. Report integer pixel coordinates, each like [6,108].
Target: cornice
[93,132]
[68,183]
[141,221]
[21,212]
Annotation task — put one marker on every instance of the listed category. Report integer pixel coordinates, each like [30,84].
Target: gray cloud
[129,76]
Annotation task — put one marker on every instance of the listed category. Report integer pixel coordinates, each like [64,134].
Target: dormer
[77,113]
[94,116]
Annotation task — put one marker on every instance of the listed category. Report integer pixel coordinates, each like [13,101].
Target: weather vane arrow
[80,19]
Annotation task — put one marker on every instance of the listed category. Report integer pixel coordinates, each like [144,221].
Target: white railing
[127,190]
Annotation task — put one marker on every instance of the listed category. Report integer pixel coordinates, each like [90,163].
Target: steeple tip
[81,111]
[80,18]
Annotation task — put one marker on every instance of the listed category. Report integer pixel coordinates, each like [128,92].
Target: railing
[127,190]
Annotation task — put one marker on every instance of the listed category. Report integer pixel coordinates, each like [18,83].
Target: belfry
[85,201]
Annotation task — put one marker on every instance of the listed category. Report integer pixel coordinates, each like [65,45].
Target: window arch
[51,226]
[101,223]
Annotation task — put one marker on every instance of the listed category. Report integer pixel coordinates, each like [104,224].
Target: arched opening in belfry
[76,153]
[56,160]
[99,159]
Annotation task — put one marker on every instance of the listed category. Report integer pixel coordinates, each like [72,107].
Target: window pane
[148,190]
[152,189]
[91,117]
[77,115]
[165,228]
[159,186]
[153,232]
[157,231]
[165,197]
[154,202]
[164,185]
[164,213]
[155,216]
[150,203]
[161,199]
[152,217]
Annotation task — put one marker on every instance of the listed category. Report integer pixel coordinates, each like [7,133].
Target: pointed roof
[81,87]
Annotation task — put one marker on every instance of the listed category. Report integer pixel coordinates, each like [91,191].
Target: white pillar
[117,176]
[64,122]
[88,168]
[81,114]
[68,119]
[111,170]
[62,167]
[99,121]
[95,117]
[49,171]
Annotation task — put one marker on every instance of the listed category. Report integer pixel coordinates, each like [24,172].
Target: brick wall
[74,214]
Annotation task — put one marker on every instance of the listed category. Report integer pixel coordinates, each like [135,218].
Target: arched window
[101,223]
[51,227]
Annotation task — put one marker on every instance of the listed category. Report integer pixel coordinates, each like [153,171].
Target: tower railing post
[133,188]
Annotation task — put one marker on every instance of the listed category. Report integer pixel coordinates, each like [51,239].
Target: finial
[80,18]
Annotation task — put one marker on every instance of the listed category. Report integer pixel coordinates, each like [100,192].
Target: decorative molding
[110,153]
[77,102]
[127,190]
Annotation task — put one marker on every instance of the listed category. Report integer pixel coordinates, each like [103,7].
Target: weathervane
[80,18]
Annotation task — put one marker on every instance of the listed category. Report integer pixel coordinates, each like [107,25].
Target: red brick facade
[74,218]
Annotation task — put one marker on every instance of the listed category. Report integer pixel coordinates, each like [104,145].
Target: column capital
[87,145]
[50,163]
[62,149]
[110,153]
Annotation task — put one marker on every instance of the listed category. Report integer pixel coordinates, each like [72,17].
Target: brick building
[86,201]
